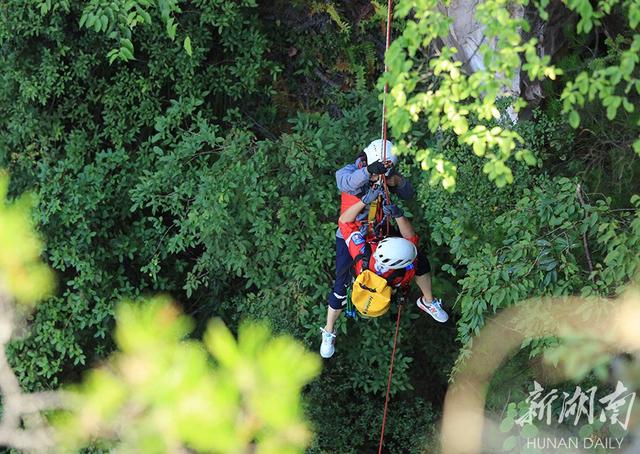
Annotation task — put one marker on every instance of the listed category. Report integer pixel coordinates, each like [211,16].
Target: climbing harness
[381,222]
[371,218]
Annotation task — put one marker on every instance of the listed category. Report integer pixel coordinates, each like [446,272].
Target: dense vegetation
[189,148]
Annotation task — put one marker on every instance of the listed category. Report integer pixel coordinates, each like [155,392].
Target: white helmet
[395,253]
[375,152]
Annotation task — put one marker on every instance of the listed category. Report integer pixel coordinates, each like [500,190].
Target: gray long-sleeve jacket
[355,181]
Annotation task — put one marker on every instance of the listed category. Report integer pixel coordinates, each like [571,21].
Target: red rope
[386,68]
[386,193]
[384,107]
[386,399]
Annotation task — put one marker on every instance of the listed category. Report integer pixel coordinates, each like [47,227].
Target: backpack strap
[365,257]
[396,274]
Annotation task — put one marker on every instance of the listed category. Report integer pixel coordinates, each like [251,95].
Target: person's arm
[406,228]
[351,179]
[350,230]
[351,213]
[401,187]
[346,222]
[404,225]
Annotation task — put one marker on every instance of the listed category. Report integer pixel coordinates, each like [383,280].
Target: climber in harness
[353,181]
[394,259]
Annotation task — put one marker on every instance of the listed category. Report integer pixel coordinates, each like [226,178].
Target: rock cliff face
[467,36]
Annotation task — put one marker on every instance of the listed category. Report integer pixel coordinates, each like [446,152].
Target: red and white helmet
[395,253]
[375,152]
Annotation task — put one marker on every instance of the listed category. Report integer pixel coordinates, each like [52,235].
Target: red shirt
[347,200]
[356,244]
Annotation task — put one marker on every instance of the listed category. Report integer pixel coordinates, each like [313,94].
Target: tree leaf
[574,119]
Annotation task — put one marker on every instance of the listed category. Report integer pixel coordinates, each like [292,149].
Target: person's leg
[337,297]
[424,283]
[332,317]
[423,276]
[427,302]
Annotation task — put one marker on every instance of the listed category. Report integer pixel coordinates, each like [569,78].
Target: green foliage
[22,275]
[72,128]
[332,51]
[527,240]
[330,9]
[349,421]
[199,166]
[118,19]
[442,95]
[612,84]
[161,392]
[439,94]
[373,353]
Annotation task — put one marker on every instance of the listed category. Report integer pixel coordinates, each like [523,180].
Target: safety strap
[350,310]
[372,217]
[396,274]
[365,257]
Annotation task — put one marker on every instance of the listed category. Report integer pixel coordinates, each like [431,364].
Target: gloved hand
[377,168]
[392,210]
[391,171]
[372,194]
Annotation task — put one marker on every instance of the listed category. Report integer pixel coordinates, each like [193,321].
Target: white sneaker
[434,309]
[327,348]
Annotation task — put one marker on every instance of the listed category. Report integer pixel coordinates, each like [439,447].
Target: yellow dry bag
[371,294]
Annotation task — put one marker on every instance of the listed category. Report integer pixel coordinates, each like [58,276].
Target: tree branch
[22,426]
[580,195]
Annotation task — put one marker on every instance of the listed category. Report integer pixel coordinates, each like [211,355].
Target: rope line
[384,109]
[386,194]
[386,399]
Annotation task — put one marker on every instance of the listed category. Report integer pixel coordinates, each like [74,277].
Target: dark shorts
[338,294]
[423,265]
